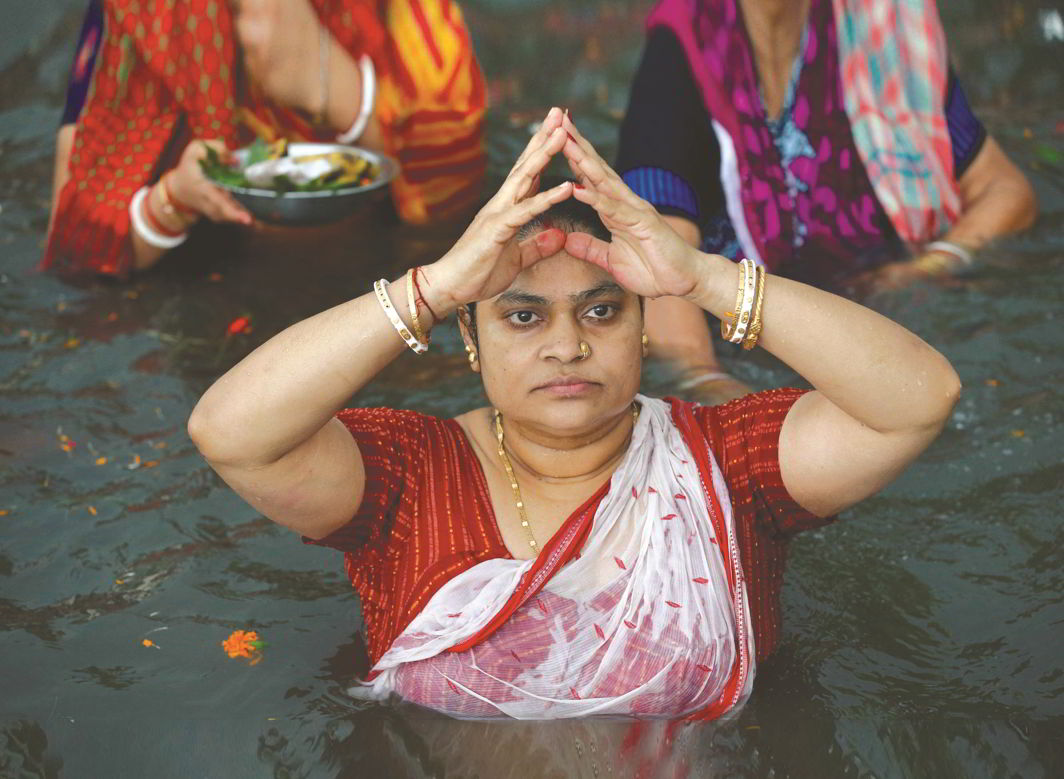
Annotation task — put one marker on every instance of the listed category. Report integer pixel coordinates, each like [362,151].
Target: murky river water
[923,633]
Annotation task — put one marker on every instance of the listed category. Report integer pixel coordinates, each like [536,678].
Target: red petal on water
[599,632]
[700,580]
[630,624]
[620,563]
[667,517]
[672,603]
[238,325]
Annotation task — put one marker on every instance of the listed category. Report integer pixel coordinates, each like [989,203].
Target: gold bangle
[169,207]
[936,263]
[755,324]
[726,328]
[415,319]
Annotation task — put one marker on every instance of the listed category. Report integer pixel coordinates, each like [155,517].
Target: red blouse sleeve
[392,444]
[744,436]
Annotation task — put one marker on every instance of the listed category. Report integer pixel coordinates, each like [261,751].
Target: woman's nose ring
[585,350]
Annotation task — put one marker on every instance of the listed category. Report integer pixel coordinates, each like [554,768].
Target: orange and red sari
[168,72]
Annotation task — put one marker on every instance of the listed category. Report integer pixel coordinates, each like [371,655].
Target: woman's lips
[567,386]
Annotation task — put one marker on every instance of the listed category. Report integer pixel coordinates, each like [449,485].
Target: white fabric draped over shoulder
[641,622]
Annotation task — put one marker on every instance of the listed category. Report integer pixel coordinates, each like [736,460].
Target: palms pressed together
[644,254]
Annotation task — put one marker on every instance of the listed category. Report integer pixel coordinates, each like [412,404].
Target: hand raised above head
[645,255]
[485,261]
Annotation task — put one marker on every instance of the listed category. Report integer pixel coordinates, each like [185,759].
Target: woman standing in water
[155,84]
[826,139]
[575,548]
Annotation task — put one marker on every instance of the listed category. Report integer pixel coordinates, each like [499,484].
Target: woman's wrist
[167,208]
[176,191]
[938,263]
[714,289]
[434,291]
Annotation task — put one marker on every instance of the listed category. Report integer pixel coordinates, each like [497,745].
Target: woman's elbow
[1026,202]
[943,397]
[208,434]
[1018,198]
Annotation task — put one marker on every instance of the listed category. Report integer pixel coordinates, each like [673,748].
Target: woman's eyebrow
[520,297]
[605,289]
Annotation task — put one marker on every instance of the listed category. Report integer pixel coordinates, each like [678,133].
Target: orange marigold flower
[242,643]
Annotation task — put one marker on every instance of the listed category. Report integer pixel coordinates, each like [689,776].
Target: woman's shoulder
[745,429]
[396,428]
[755,404]
[394,425]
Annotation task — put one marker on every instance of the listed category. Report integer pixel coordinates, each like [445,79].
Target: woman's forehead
[559,277]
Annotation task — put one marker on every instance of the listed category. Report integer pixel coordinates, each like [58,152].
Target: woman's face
[529,346]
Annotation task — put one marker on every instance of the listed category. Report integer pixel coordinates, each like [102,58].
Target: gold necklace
[532,543]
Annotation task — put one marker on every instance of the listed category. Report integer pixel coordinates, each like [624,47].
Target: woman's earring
[472,353]
[646,344]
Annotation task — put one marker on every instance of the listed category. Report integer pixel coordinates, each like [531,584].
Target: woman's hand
[486,260]
[646,255]
[280,40]
[193,189]
[934,266]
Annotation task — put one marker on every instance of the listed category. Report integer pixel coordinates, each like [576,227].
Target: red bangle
[154,223]
[421,297]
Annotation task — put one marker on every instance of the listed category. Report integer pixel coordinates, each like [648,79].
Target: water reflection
[922,632]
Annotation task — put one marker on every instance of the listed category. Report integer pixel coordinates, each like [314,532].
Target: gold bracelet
[937,263]
[167,206]
[755,324]
[414,318]
[726,328]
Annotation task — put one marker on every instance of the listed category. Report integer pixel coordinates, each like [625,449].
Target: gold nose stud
[585,350]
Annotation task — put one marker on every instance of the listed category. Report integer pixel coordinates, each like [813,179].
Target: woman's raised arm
[268,427]
[882,393]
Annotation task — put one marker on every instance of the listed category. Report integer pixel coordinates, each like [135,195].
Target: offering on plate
[301,183]
[271,166]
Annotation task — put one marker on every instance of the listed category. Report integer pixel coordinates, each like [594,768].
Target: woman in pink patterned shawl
[828,140]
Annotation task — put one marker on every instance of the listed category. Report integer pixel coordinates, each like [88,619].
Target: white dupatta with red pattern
[630,610]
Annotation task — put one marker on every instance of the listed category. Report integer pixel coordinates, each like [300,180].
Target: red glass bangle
[421,297]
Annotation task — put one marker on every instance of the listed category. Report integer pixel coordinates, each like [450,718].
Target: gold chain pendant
[532,543]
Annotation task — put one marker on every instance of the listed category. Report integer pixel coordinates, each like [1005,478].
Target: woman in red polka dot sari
[575,548]
[155,82]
